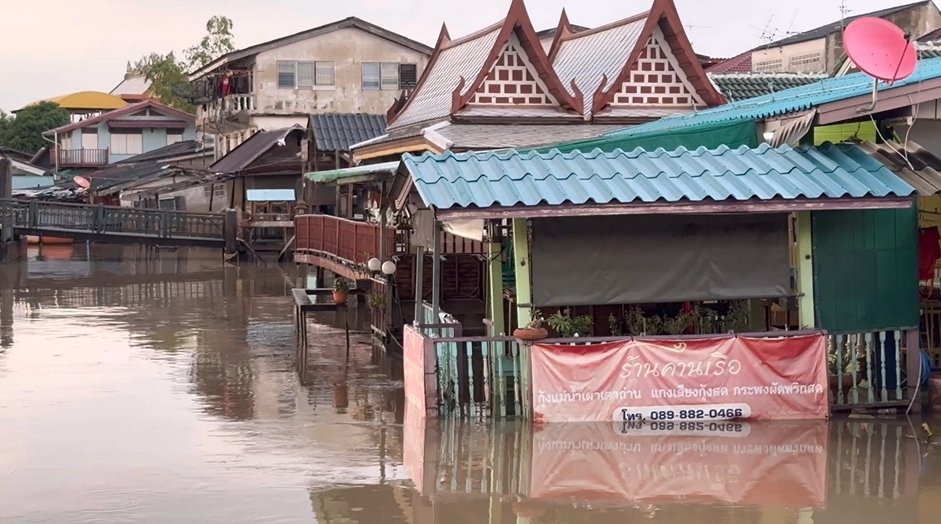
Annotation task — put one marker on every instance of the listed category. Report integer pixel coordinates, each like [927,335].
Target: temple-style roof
[639,68]
[499,71]
[642,62]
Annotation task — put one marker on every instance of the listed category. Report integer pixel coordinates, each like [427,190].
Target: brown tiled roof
[129,110]
[736,64]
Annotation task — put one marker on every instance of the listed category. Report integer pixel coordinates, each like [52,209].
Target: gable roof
[128,110]
[498,182]
[348,22]
[457,69]
[340,131]
[250,150]
[600,60]
[833,27]
[737,64]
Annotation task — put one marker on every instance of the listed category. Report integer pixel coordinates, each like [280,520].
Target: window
[286,74]
[371,76]
[769,66]
[408,75]
[292,73]
[89,139]
[127,143]
[325,73]
[387,75]
[390,76]
[305,74]
[174,137]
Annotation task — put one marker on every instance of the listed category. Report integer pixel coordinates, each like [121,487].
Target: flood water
[141,386]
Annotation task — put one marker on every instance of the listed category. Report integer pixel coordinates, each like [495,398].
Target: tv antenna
[844,10]
[768,33]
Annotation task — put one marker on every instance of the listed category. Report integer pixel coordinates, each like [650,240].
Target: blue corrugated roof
[505,179]
[786,101]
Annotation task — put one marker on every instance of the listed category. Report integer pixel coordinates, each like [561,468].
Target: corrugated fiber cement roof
[485,180]
[339,131]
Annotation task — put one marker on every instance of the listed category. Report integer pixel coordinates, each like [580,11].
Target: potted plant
[377,300]
[568,326]
[533,330]
[341,287]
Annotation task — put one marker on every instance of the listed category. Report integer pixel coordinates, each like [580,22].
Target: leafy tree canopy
[168,74]
[24,132]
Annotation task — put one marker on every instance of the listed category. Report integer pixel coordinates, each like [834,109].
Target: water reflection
[160,386]
[846,471]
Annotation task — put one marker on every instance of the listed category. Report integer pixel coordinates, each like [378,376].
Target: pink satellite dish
[82,182]
[880,49]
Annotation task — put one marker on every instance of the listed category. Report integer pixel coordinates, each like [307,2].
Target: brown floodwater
[158,386]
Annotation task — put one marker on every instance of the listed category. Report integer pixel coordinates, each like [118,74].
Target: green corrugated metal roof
[333,175]
[507,179]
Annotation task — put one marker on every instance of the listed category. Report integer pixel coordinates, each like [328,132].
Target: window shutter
[286,74]
[325,73]
[408,75]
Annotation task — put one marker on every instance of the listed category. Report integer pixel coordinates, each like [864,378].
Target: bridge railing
[35,215]
[347,240]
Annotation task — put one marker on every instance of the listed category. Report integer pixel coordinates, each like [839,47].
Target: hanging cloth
[929,251]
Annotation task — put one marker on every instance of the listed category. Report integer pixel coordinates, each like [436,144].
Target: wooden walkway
[116,224]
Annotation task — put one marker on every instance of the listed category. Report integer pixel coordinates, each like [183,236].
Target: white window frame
[385,80]
[314,80]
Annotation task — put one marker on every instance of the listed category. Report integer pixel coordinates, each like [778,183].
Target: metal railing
[54,217]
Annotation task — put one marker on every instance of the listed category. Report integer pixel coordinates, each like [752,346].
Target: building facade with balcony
[119,135]
[349,66]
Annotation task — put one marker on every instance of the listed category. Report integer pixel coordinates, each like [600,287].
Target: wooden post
[805,270]
[524,295]
[419,276]
[436,273]
[230,232]
[495,296]
[6,193]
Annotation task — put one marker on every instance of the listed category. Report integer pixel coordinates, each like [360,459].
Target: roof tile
[483,180]
[339,131]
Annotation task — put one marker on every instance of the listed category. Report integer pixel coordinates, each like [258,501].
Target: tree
[25,131]
[5,122]
[168,75]
[217,42]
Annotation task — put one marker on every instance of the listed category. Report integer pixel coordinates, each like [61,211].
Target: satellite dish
[880,49]
[82,182]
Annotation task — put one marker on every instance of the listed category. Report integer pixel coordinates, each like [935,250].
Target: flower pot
[528,333]
[339,297]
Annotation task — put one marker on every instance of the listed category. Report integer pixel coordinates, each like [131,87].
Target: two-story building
[118,135]
[349,66]
[820,50]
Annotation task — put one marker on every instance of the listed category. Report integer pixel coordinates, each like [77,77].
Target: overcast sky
[53,47]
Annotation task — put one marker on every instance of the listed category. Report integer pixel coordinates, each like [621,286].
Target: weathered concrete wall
[348,49]
[792,58]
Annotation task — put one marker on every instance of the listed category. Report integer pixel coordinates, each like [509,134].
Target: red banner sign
[731,462]
[680,381]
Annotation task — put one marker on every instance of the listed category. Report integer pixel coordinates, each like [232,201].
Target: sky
[55,47]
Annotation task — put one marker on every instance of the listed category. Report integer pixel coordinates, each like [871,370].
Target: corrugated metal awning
[922,170]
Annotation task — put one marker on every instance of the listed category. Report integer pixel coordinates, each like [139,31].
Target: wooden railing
[347,240]
[868,368]
[82,157]
[54,218]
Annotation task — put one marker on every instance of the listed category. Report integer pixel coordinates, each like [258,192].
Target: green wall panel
[865,269]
